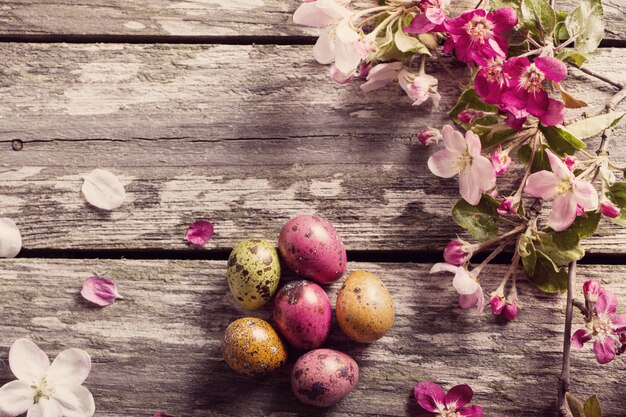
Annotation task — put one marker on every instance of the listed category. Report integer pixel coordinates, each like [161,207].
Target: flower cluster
[604,326]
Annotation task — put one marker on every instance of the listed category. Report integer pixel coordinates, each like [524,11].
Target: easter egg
[364,307]
[322,377]
[253,272]
[310,246]
[303,313]
[252,347]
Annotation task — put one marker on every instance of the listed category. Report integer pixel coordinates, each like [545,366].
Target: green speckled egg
[253,272]
[252,347]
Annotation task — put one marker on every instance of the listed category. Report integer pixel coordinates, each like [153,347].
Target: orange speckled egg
[252,347]
[364,307]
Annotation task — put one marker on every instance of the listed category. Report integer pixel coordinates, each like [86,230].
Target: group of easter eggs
[311,247]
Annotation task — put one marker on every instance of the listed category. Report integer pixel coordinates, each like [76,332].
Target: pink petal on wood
[100,291]
[199,232]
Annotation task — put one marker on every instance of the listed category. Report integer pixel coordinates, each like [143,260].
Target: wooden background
[215,109]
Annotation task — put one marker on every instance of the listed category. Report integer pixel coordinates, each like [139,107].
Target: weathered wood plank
[191,17]
[159,348]
[246,136]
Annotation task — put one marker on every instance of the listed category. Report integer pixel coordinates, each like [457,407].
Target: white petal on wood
[104,190]
[10,239]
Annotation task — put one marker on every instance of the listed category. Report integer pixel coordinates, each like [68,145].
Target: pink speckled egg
[322,377]
[302,313]
[310,246]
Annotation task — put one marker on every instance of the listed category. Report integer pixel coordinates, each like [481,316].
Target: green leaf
[469,99]
[586,23]
[539,17]
[592,407]
[617,194]
[547,276]
[560,256]
[575,405]
[572,56]
[581,228]
[479,220]
[407,43]
[540,161]
[594,125]
[561,141]
[526,250]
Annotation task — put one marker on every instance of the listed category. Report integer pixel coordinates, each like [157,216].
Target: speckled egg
[303,313]
[310,246]
[252,347]
[253,272]
[364,307]
[322,377]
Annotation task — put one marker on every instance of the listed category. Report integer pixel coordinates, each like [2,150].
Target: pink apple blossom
[570,162]
[526,87]
[419,87]
[592,289]
[609,209]
[462,156]
[568,192]
[501,161]
[430,19]
[429,136]
[381,75]
[477,35]
[603,326]
[515,118]
[458,251]
[490,80]
[466,285]
[431,397]
[44,389]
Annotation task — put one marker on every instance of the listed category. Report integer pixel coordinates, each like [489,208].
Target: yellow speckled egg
[364,309]
[253,272]
[252,347]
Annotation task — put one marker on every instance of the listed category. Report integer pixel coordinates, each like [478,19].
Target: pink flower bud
[339,77]
[457,253]
[609,209]
[592,289]
[100,291]
[429,137]
[500,161]
[470,115]
[510,311]
[570,162]
[508,207]
[364,70]
[497,304]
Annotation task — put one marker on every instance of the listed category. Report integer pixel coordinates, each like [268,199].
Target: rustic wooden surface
[158,349]
[246,136]
[185,18]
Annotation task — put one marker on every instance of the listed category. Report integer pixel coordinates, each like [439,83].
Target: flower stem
[564,380]
[499,238]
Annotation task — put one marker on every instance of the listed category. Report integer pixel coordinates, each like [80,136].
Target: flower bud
[457,252]
[510,310]
[609,209]
[429,137]
[497,303]
[508,207]
[570,162]
[592,289]
[470,115]
[500,161]
[364,69]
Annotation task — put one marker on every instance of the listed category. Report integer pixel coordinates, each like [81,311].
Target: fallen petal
[10,239]
[199,232]
[103,190]
[100,291]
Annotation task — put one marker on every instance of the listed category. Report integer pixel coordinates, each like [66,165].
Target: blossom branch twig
[564,380]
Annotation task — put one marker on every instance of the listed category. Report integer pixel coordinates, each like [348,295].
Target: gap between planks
[193,39]
[221,254]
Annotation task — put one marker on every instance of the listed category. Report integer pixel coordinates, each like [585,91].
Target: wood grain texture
[193,17]
[158,349]
[246,136]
